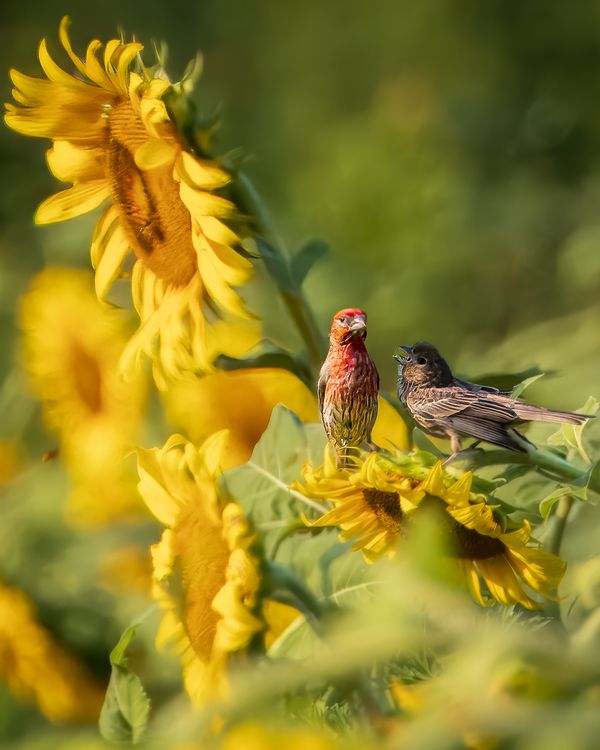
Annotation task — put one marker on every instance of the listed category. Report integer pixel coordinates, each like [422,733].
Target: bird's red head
[348,325]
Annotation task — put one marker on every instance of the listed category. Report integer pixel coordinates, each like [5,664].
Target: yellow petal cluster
[71,349]
[114,140]
[36,668]
[375,503]
[204,555]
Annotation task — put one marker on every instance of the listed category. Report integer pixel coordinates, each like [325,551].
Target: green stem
[252,204]
[535,457]
[563,509]
[280,578]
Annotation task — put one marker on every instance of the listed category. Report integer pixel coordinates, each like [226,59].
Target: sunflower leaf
[278,266]
[124,714]
[306,257]
[507,381]
[570,436]
[261,486]
[520,387]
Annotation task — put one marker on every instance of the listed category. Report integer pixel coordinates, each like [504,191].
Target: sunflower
[71,349]
[205,576]
[37,668]
[114,140]
[376,502]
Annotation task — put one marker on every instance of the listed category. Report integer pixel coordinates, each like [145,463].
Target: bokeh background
[449,154]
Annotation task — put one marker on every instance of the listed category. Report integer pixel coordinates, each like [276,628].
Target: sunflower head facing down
[166,227]
[206,577]
[376,502]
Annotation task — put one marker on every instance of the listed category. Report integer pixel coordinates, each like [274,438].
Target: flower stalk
[280,580]
[250,201]
[536,458]
[563,510]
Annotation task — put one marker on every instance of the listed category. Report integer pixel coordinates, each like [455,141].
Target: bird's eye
[421,361]
[343,319]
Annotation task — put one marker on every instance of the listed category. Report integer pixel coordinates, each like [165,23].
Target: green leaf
[334,573]
[520,387]
[586,489]
[124,714]
[306,257]
[270,355]
[277,266]
[570,436]
[507,381]
[550,500]
[261,486]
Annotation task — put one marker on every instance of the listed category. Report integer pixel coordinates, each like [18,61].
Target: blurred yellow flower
[254,736]
[71,349]
[114,139]
[242,401]
[11,460]
[239,400]
[424,698]
[375,502]
[205,578]
[36,668]
[127,570]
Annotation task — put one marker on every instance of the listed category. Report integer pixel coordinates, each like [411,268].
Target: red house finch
[447,407]
[348,385]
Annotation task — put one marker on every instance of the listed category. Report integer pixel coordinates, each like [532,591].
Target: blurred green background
[449,153]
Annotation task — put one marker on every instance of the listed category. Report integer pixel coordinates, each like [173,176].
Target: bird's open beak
[399,358]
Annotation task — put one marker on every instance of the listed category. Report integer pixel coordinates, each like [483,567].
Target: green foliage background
[449,152]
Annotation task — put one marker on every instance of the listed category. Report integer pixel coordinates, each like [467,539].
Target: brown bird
[445,406]
[348,386]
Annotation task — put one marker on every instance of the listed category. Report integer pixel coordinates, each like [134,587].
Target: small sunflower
[206,577]
[71,350]
[114,140]
[375,503]
[37,668]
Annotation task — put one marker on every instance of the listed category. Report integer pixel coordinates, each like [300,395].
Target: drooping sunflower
[37,668]
[71,349]
[206,577]
[376,503]
[115,140]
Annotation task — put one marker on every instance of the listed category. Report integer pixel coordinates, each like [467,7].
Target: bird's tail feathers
[533,413]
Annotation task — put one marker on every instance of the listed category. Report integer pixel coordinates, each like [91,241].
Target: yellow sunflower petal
[72,202]
[151,486]
[201,174]
[434,483]
[115,250]
[390,430]
[63,35]
[503,583]
[69,163]
[154,153]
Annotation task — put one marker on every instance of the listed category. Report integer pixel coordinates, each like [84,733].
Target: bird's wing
[476,387]
[322,384]
[472,413]
[485,429]
[438,403]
